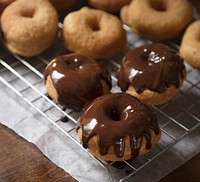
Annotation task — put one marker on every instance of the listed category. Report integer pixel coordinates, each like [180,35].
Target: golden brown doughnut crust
[110,156]
[4,4]
[109,5]
[62,4]
[190,45]
[93,33]
[29,27]
[154,98]
[160,19]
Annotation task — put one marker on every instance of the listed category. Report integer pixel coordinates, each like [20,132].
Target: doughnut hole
[113,113]
[73,64]
[28,12]
[158,5]
[93,23]
[95,26]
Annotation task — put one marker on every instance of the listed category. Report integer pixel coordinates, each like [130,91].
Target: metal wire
[164,111]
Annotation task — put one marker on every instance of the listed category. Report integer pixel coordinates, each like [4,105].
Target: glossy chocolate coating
[154,67]
[112,118]
[77,79]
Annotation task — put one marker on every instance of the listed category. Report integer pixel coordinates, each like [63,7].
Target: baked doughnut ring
[4,4]
[74,80]
[159,19]
[29,27]
[153,73]
[93,33]
[117,127]
[190,45]
[109,6]
[61,5]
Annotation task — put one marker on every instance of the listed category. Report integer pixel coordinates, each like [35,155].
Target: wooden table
[188,172]
[21,160]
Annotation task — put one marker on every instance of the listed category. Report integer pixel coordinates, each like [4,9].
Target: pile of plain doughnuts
[100,35]
[113,126]
[29,28]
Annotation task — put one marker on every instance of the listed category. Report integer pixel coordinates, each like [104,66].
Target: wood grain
[188,172]
[22,161]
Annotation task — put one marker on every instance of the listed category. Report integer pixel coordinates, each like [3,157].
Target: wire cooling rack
[24,76]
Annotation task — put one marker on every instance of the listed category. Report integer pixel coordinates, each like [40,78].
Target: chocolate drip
[135,146]
[48,96]
[148,139]
[115,117]
[64,119]
[77,79]
[154,67]
[119,147]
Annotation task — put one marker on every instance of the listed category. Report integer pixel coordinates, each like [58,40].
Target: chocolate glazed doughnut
[118,127]
[153,73]
[73,80]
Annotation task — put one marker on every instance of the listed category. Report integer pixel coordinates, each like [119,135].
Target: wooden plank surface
[21,160]
[188,172]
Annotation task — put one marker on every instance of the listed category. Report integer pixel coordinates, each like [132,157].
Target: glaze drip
[134,121]
[154,67]
[77,79]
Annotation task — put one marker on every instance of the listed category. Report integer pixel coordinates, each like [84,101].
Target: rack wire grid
[24,76]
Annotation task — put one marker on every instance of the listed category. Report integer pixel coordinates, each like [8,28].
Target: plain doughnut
[29,27]
[190,45]
[159,19]
[93,33]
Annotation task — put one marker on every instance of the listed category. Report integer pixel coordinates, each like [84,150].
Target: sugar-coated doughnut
[109,5]
[117,127]
[73,80]
[159,19]
[93,33]
[190,45]
[29,27]
[4,4]
[62,4]
[153,73]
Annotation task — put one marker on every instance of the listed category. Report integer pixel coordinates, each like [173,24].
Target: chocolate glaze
[77,79]
[154,67]
[112,118]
